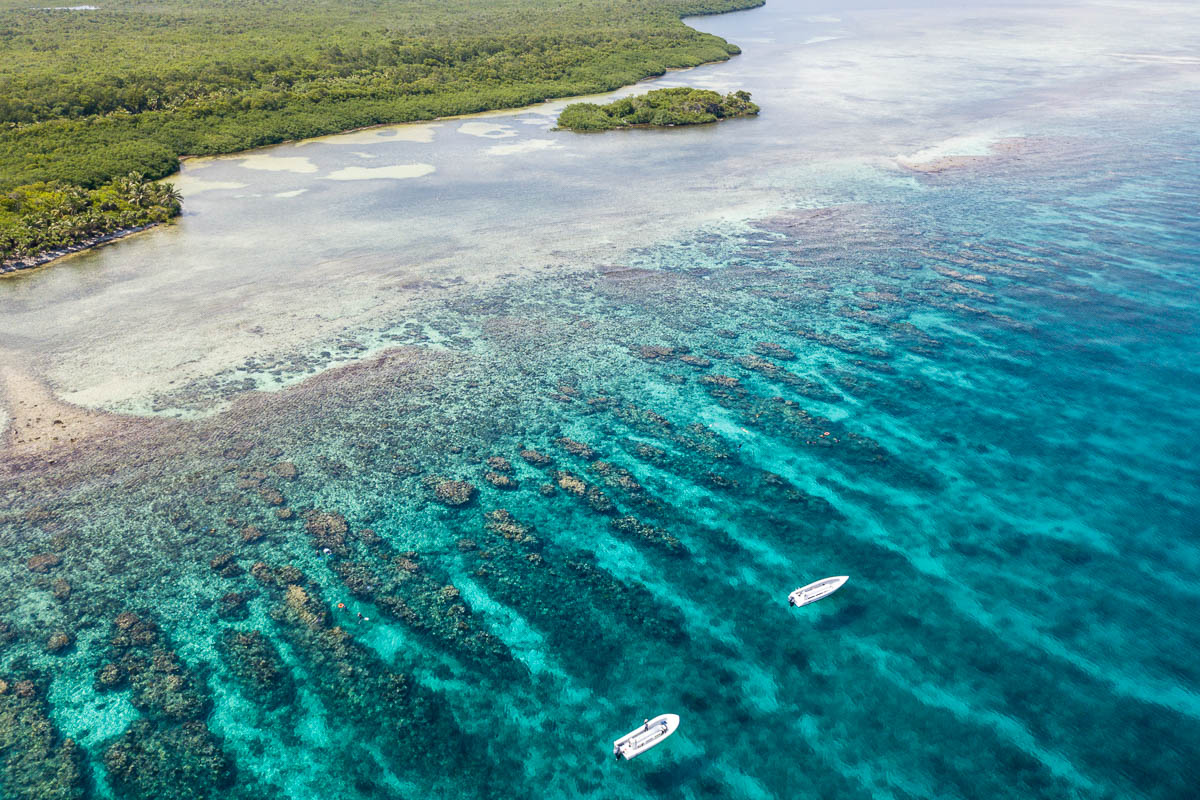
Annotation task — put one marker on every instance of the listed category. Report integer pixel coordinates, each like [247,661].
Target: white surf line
[1014,732]
[1158,58]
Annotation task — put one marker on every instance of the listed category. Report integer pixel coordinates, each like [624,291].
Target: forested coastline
[89,96]
[44,219]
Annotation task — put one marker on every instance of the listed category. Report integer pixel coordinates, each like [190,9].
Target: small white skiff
[816,590]
[645,736]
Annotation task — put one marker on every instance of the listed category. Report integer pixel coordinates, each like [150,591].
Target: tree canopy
[56,215]
[659,108]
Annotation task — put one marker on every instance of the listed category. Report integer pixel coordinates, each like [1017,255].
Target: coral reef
[452,493]
[234,605]
[631,526]
[572,484]
[163,689]
[225,565]
[502,522]
[405,719]
[327,530]
[251,534]
[536,458]
[775,351]
[254,662]
[577,448]
[182,762]
[43,562]
[169,751]
[406,589]
[286,470]
[36,763]
[59,642]
[500,481]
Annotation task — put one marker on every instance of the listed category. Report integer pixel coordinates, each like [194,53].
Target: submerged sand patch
[394,172]
[420,132]
[527,146]
[269,163]
[188,185]
[487,130]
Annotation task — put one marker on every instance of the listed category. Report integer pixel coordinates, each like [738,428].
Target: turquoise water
[973,391]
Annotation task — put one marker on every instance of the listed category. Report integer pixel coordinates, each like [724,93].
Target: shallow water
[736,359]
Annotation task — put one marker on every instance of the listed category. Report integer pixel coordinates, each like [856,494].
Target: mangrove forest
[658,108]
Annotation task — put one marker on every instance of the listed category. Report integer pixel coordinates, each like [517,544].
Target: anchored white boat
[816,590]
[645,736]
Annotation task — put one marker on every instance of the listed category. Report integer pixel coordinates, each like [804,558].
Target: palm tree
[169,196]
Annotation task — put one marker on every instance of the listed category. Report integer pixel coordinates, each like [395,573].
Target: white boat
[816,590]
[645,736]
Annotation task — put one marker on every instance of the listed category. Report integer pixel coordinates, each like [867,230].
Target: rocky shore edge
[46,256]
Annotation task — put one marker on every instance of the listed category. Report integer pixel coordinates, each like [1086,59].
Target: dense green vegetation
[660,107]
[89,95]
[52,216]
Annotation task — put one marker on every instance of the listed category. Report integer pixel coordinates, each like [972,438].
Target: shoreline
[17,266]
[487,113]
[14,267]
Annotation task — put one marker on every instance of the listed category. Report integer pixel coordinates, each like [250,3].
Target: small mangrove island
[659,108]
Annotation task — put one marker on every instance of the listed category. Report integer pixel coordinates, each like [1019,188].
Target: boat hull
[816,590]
[647,735]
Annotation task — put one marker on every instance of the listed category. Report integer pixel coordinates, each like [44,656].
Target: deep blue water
[975,394]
